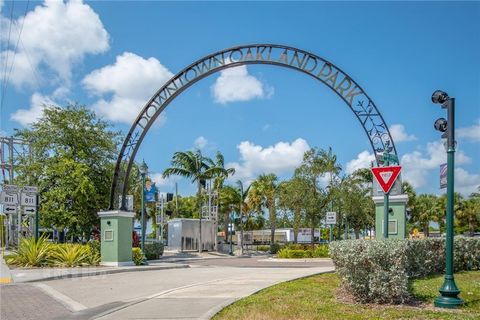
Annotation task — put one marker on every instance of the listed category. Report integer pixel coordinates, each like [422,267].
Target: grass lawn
[314,298]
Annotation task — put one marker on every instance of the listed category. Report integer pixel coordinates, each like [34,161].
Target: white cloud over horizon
[55,37]
[279,158]
[236,84]
[416,165]
[471,133]
[362,161]
[399,134]
[127,84]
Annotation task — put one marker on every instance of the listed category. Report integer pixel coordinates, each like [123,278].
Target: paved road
[197,292]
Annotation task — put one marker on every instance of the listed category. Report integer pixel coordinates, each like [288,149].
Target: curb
[103,272]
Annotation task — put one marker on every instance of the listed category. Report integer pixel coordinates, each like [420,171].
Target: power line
[8,41]
[7,77]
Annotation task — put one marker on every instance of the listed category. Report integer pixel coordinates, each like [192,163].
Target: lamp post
[240,186]
[448,291]
[143,172]
[232,217]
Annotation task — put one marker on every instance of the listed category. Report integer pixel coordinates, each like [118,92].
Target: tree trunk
[357,233]
[273,219]
[199,206]
[296,224]
[425,229]
[226,222]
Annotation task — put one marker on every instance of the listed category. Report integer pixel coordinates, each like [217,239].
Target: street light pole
[143,171]
[240,185]
[448,291]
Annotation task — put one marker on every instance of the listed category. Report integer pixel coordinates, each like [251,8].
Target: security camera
[439,97]
[440,124]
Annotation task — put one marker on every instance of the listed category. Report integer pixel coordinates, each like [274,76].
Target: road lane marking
[68,302]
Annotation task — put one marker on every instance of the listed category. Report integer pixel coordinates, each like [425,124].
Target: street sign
[10,188]
[9,209]
[443,176]
[28,199]
[386,176]
[30,189]
[8,198]
[29,210]
[331,218]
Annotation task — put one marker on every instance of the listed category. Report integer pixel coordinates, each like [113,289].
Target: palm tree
[218,181]
[263,194]
[193,165]
[426,210]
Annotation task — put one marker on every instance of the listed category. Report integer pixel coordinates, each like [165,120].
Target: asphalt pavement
[196,292]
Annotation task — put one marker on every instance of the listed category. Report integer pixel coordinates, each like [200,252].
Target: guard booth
[183,235]
[397,226]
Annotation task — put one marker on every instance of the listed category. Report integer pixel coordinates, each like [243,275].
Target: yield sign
[386,176]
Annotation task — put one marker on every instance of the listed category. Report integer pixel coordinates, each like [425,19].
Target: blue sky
[113,56]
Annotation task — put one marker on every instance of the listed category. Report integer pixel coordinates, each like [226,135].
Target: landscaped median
[376,279]
[321,297]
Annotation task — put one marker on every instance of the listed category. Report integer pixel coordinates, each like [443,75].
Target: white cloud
[363,160]
[465,182]
[163,182]
[130,81]
[399,134]
[201,142]
[235,84]
[55,36]
[470,133]
[37,103]
[416,166]
[279,158]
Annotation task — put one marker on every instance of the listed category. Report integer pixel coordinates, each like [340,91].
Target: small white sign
[331,218]
[29,210]
[8,198]
[10,209]
[10,188]
[28,199]
[30,189]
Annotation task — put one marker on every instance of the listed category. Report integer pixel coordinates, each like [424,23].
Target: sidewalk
[5,275]
[22,275]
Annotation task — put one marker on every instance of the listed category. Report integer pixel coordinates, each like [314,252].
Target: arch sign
[326,72]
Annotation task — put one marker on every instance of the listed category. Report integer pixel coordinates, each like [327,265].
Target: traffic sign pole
[385,214]
[37,218]
[386,177]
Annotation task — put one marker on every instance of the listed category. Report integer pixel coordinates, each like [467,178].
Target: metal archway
[272,54]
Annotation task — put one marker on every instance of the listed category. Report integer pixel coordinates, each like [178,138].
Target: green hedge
[292,251]
[379,270]
[153,250]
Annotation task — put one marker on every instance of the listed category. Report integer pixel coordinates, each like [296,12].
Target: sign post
[331,220]
[386,176]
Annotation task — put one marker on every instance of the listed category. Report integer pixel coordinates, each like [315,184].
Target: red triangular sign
[386,176]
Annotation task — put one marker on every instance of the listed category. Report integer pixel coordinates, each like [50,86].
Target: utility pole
[12,150]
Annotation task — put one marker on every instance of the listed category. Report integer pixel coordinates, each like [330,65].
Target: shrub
[30,253]
[380,270]
[263,248]
[153,250]
[292,253]
[320,251]
[94,256]
[274,247]
[137,256]
[69,255]
[303,251]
